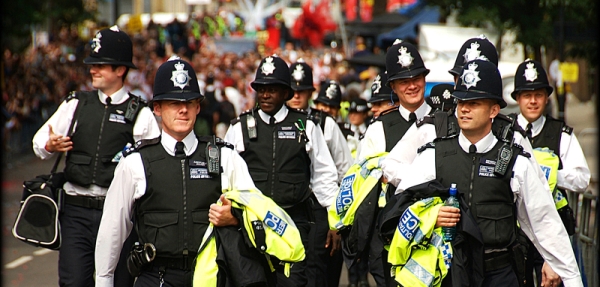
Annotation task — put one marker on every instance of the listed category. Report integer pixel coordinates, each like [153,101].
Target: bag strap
[59,157]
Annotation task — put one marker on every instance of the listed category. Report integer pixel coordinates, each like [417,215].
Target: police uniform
[320,264]
[105,125]
[491,195]
[287,157]
[164,196]
[356,132]
[573,173]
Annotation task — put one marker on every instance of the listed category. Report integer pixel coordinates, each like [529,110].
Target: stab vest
[490,197]
[173,213]
[394,127]
[277,159]
[446,124]
[550,136]
[102,131]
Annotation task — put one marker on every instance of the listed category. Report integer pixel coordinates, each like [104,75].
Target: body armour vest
[446,124]
[277,159]
[102,131]
[173,213]
[550,136]
[394,127]
[490,197]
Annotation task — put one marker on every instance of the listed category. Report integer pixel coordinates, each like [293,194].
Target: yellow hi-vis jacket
[549,163]
[282,237]
[356,185]
[418,254]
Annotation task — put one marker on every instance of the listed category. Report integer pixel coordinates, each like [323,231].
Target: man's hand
[448,216]
[334,240]
[549,277]
[57,142]
[220,215]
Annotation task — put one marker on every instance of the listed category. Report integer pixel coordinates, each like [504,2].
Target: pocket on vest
[292,189]
[497,223]
[78,169]
[160,228]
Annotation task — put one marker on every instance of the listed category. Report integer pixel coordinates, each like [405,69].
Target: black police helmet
[358,106]
[301,76]
[176,80]
[403,61]
[111,46]
[273,70]
[474,48]
[380,91]
[530,76]
[480,79]
[440,97]
[330,94]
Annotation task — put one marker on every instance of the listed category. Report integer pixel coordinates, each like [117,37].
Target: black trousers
[79,230]
[322,269]
[301,216]
[500,278]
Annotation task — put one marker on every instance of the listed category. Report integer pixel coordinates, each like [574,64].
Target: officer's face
[357,118]
[107,78]
[332,111]
[378,107]
[532,103]
[271,98]
[475,117]
[300,99]
[410,91]
[177,117]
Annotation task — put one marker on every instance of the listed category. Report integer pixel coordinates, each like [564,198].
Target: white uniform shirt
[323,173]
[575,173]
[374,140]
[354,140]
[145,127]
[338,147]
[535,207]
[396,163]
[129,185]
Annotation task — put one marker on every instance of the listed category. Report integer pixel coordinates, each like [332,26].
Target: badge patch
[286,133]
[404,59]
[268,67]
[117,118]
[197,163]
[531,72]
[346,194]
[486,171]
[376,85]
[470,76]
[180,77]
[408,224]
[199,173]
[275,223]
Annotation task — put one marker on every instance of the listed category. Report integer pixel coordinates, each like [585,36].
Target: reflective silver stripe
[421,273]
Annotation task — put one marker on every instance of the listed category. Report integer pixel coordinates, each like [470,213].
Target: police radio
[251,122]
[132,108]
[505,152]
[213,154]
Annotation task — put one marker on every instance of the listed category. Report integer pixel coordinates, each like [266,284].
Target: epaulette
[142,100]
[522,152]
[567,129]
[426,146]
[390,110]
[218,141]
[239,118]
[72,95]
[140,144]
[304,112]
[427,119]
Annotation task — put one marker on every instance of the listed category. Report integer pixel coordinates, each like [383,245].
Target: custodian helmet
[273,71]
[531,76]
[474,48]
[111,46]
[403,61]
[480,79]
[301,76]
[330,94]
[176,80]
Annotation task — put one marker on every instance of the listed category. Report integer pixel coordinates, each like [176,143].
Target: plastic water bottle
[449,232]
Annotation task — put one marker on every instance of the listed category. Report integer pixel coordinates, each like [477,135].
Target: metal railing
[585,239]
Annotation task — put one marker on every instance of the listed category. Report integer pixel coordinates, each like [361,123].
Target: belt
[183,263]
[85,201]
[496,261]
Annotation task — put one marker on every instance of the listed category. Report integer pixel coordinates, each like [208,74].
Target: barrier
[585,239]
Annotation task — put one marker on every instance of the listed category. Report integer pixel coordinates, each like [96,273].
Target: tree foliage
[536,22]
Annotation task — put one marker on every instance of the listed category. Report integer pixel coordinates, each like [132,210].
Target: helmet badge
[298,73]
[96,42]
[446,94]
[472,53]
[404,59]
[268,67]
[531,72]
[331,91]
[376,84]
[180,77]
[470,77]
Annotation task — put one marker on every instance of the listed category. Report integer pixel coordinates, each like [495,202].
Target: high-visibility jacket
[269,229]
[418,254]
[549,162]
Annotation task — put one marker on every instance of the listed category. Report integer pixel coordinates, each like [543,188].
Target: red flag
[314,23]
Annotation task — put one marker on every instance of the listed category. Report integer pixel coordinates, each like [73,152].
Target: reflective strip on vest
[356,185]
[417,253]
[549,163]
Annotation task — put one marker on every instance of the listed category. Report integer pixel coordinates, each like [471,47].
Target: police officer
[382,97]
[497,181]
[531,91]
[108,120]
[324,263]
[287,155]
[358,114]
[165,187]
[329,98]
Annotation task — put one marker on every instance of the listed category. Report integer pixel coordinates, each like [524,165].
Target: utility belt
[496,260]
[85,201]
[182,263]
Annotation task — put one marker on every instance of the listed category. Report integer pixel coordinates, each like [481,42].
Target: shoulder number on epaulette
[522,152]
[426,146]
[139,145]
[427,119]
[72,95]
[567,129]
